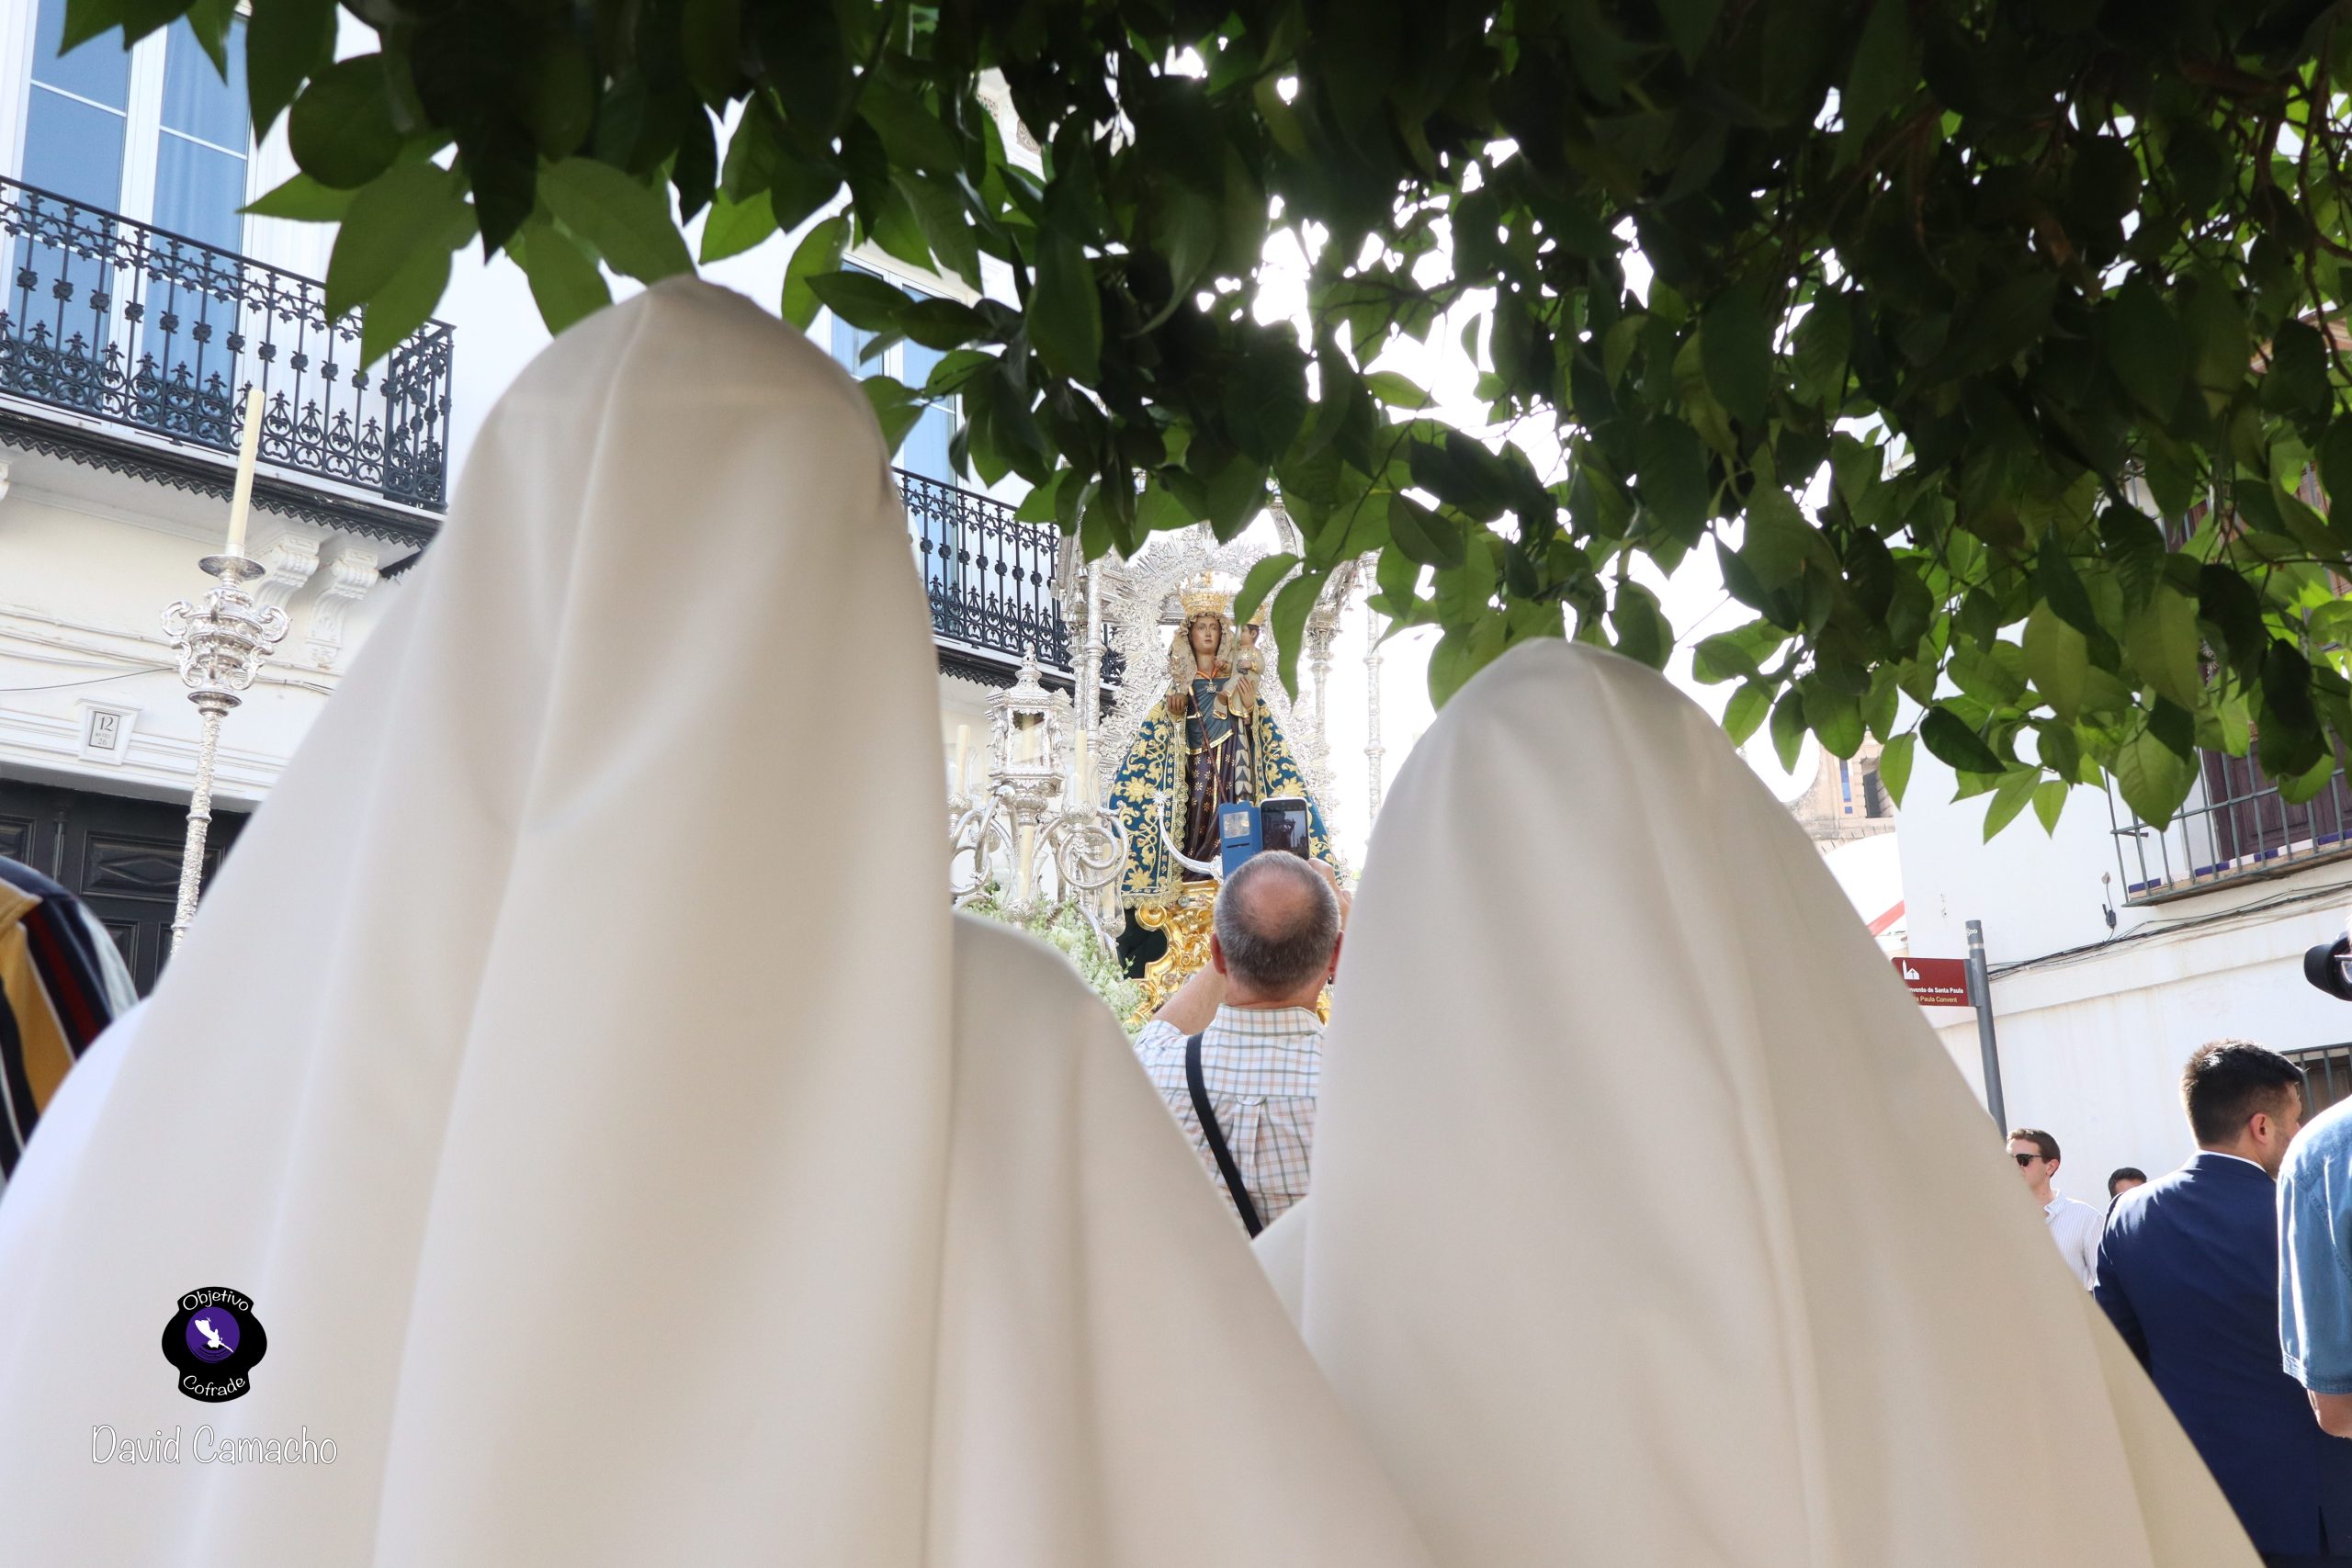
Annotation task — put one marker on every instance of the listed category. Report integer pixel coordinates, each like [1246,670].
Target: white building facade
[139,303]
[2116,950]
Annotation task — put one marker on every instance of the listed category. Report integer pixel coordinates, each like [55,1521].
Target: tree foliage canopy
[1989,345]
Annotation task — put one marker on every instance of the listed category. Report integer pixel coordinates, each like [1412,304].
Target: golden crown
[1205,596]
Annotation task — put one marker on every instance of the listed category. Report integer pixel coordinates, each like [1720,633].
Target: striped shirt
[58,992]
[1260,1066]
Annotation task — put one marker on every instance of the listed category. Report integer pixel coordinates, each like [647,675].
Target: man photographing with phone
[1237,1051]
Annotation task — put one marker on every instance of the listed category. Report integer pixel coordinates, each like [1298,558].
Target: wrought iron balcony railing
[114,320]
[990,576]
[2236,824]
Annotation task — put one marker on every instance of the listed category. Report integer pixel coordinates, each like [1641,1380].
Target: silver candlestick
[221,642]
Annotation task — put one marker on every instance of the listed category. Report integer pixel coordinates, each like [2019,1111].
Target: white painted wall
[2094,1026]
[82,588]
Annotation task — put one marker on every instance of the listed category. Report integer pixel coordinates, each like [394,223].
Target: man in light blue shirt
[2315,1265]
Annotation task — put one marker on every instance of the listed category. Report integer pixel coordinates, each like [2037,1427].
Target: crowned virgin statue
[1209,742]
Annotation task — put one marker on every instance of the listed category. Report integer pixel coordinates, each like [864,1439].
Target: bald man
[1237,1050]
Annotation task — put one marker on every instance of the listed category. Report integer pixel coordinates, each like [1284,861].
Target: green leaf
[710,39]
[1747,710]
[1065,313]
[302,199]
[910,133]
[2295,381]
[1956,745]
[1617,347]
[209,20]
[820,252]
[1671,470]
[1642,634]
[286,41]
[2049,801]
[939,214]
[1881,77]
[1824,343]
[2162,640]
[2058,658]
[941,324]
[403,303]
[862,300]
[1735,352]
[1776,539]
[1835,717]
[1395,391]
[2009,797]
[1189,227]
[1688,23]
[341,132]
[2146,346]
[413,210]
[896,409]
[2153,777]
[1288,623]
[1261,583]
[628,223]
[1788,729]
[734,227]
[1894,766]
[1422,534]
[565,280]
[2335,464]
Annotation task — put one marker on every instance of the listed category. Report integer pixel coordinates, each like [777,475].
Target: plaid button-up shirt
[1261,1067]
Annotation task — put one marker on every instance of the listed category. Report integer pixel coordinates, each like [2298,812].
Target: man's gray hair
[1277,921]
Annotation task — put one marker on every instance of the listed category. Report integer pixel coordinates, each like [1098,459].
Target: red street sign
[1936,982]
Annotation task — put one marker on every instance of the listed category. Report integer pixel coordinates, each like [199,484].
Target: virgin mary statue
[1209,742]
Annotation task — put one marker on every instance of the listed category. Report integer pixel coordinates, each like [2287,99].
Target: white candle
[963,745]
[248,453]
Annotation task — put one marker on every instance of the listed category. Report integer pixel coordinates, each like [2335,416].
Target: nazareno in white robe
[629,1159]
[1650,1223]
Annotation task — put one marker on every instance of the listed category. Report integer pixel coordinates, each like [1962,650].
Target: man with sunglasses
[2074,1226]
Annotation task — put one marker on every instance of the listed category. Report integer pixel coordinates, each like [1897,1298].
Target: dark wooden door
[120,856]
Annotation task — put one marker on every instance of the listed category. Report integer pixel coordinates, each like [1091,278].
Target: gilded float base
[1188,916]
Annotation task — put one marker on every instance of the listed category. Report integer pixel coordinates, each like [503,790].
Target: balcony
[990,577]
[128,329]
[2235,827]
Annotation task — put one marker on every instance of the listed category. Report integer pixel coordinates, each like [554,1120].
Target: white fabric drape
[577,1064]
[1650,1224]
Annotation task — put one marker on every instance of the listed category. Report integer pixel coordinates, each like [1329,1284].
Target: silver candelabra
[222,643]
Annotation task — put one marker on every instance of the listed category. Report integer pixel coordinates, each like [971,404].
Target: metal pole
[222,641]
[1980,993]
[214,705]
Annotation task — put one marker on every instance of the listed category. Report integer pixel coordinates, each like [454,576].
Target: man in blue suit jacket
[2188,1270]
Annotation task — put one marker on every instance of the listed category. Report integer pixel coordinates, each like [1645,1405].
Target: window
[157,136]
[77,119]
[154,133]
[1845,787]
[2327,1075]
[200,143]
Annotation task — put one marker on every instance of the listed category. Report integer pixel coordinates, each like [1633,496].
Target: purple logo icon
[213,1334]
[214,1342]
